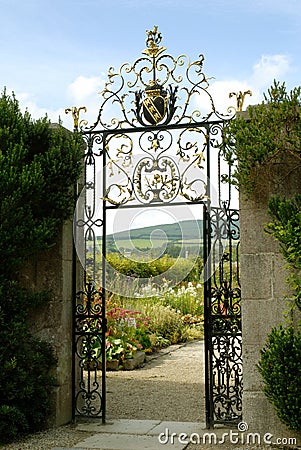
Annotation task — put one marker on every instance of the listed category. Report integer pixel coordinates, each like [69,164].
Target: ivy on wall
[286,228]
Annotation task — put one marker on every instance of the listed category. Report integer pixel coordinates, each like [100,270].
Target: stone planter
[128,364]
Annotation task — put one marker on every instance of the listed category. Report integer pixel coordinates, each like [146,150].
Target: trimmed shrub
[280,367]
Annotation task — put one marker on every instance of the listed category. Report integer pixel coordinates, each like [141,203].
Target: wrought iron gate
[157,144]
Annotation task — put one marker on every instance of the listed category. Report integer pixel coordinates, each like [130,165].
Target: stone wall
[53,323]
[263,282]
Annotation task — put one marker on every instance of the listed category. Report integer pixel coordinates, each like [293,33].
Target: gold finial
[240,98]
[152,42]
[75,114]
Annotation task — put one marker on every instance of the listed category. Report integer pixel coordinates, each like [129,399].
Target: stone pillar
[53,322]
[263,283]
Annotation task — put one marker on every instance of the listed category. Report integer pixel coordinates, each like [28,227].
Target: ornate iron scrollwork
[159,166]
[89,321]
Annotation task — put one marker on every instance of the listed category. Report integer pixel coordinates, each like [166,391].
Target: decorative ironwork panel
[157,89]
[157,166]
[89,309]
[223,305]
[89,323]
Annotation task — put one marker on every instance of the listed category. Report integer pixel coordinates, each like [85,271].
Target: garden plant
[148,323]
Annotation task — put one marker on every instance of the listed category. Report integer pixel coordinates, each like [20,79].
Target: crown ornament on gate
[155,104]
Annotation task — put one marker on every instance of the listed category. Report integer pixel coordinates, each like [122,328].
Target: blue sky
[56,54]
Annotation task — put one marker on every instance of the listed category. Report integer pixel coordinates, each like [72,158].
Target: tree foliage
[270,130]
[39,165]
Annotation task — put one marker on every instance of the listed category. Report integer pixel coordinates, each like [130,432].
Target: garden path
[170,386]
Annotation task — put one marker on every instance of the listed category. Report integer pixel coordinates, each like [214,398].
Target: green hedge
[39,165]
[182,269]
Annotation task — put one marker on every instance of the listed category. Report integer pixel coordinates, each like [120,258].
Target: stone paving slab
[123,434]
[108,441]
[178,428]
[122,426]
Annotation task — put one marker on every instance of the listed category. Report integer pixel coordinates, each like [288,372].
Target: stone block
[255,275]
[259,317]
[280,274]
[62,405]
[64,369]
[254,239]
[67,241]
[252,379]
[133,363]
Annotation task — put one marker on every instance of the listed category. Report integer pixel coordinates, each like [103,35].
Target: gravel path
[169,387]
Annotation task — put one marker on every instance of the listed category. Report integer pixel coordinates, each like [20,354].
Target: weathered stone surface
[255,280]
[259,316]
[133,363]
[53,323]
[261,418]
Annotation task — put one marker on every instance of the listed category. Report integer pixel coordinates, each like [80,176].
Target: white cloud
[268,68]
[28,102]
[83,88]
[263,73]
[85,91]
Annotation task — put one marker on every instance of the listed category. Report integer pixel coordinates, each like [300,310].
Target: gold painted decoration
[240,98]
[156,89]
[75,115]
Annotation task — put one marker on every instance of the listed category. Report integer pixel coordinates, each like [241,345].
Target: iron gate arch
[164,111]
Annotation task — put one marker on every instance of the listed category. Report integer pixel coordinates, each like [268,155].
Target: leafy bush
[127,333]
[167,323]
[159,320]
[280,367]
[39,165]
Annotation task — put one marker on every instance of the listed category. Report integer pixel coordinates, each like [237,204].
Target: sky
[56,54]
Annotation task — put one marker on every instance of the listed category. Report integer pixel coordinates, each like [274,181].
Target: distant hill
[186,229]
